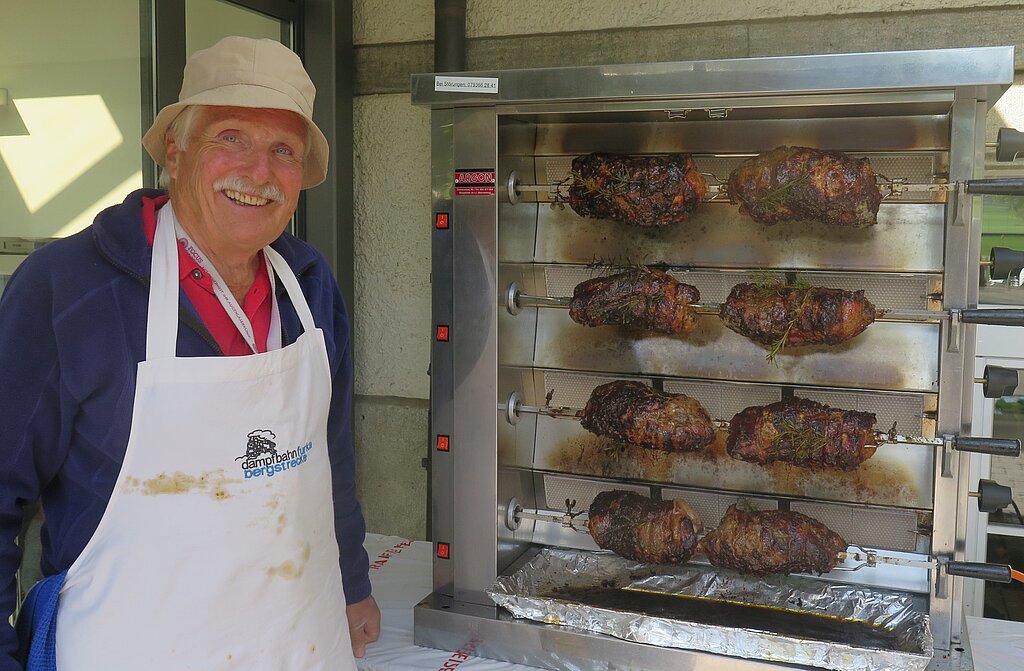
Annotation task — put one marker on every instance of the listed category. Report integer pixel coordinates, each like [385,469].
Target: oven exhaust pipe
[449,35]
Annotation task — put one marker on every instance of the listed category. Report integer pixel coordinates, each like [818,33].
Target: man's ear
[171,154]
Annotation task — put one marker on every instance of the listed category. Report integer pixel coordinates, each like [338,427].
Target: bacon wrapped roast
[636,527]
[647,191]
[642,298]
[804,184]
[632,412]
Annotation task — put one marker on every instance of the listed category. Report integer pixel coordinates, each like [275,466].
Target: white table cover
[401,575]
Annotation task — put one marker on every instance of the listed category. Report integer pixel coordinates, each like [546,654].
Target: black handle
[1001,382]
[993,496]
[990,572]
[994,316]
[1009,144]
[1005,262]
[1000,447]
[995,187]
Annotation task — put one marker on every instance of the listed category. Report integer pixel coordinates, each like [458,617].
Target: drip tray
[788,619]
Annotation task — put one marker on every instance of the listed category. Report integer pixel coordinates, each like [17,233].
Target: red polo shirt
[199,289]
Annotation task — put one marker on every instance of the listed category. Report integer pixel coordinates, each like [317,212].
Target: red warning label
[475,182]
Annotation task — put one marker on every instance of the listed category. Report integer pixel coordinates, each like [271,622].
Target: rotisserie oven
[716,317]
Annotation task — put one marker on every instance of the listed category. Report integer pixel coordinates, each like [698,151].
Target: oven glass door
[999,536]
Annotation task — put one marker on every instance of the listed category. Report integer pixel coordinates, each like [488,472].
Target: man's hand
[363,624]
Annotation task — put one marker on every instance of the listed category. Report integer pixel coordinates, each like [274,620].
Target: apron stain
[281,519]
[212,482]
[290,569]
[287,570]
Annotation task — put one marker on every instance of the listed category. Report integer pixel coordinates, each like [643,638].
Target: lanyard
[220,290]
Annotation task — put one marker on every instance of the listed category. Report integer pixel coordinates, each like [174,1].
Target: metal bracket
[959,197]
[956,328]
[948,445]
[713,113]
[941,578]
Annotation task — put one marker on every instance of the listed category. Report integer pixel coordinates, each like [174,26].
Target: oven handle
[1000,381]
[995,187]
[1004,262]
[1009,144]
[993,316]
[999,447]
[989,572]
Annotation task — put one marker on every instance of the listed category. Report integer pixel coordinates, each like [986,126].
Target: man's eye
[284,151]
[230,137]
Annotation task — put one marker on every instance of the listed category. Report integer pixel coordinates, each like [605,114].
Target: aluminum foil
[527,593]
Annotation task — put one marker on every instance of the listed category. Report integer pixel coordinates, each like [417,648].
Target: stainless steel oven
[509,472]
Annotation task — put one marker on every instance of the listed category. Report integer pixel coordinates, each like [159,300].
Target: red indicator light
[441,220]
[442,333]
[442,443]
[443,551]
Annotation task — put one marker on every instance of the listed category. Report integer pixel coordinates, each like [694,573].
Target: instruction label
[466,84]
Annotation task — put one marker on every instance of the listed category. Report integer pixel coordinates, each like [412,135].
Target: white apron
[217,548]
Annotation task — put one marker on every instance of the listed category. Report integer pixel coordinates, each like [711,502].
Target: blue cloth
[72,331]
[37,625]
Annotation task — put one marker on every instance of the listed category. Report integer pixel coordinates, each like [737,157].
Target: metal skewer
[890,188]
[518,300]
[999,446]
[854,553]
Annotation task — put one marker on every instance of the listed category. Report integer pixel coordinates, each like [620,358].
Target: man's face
[236,186]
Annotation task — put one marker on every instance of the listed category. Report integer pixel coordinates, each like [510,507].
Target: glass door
[997,537]
[70,122]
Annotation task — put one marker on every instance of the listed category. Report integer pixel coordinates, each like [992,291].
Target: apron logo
[261,456]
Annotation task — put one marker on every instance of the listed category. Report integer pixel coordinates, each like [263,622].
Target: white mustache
[245,186]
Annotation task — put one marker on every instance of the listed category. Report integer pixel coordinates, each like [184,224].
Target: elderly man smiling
[176,390]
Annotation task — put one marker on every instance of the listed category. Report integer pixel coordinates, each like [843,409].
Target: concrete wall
[392,153]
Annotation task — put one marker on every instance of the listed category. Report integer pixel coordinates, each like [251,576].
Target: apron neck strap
[162,313]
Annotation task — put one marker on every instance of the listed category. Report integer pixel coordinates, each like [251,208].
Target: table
[401,574]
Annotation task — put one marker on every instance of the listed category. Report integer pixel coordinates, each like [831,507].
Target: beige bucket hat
[246,72]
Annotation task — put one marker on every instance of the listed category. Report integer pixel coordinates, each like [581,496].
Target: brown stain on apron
[290,569]
[213,482]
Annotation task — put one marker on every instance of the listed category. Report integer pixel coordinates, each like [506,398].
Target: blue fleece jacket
[72,331]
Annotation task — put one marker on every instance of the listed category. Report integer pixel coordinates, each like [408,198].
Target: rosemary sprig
[607,184]
[803,440]
[777,196]
[780,343]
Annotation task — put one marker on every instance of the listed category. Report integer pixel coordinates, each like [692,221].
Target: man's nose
[258,166]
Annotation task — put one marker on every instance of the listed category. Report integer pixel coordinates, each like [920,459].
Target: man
[176,390]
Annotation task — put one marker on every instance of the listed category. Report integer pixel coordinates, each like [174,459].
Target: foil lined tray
[787,619]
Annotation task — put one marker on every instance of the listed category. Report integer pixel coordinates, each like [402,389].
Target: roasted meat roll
[644,299]
[804,184]
[639,190]
[633,413]
[796,316]
[772,541]
[802,432]
[635,527]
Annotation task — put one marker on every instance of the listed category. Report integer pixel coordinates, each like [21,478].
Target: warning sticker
[475,182]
